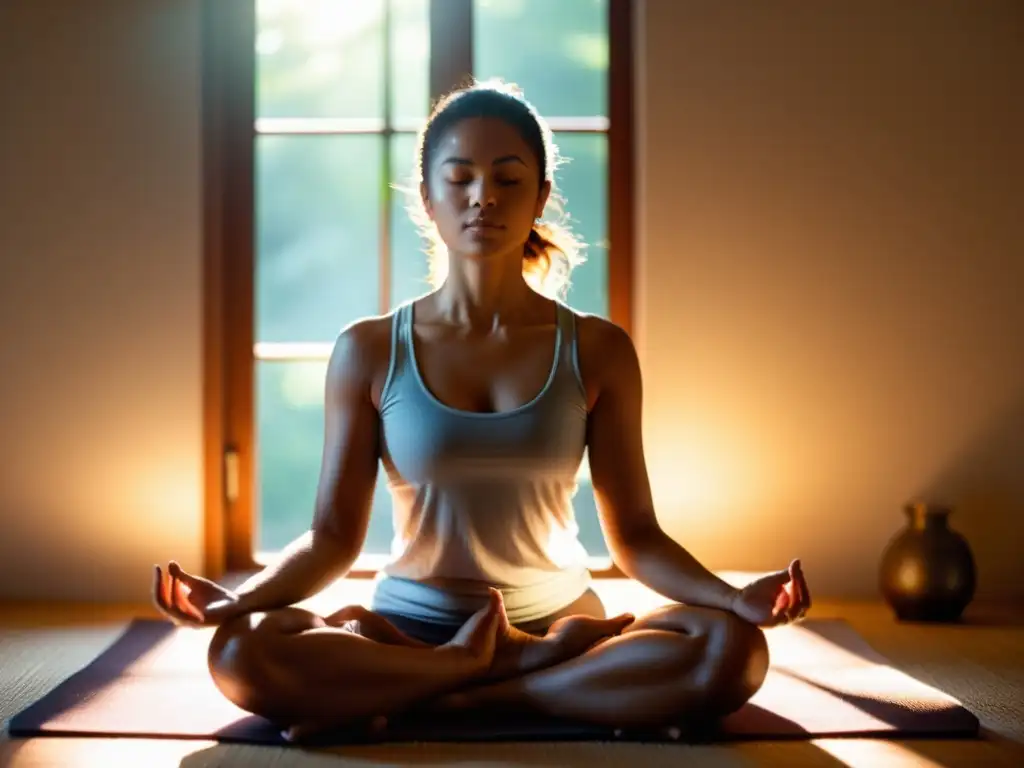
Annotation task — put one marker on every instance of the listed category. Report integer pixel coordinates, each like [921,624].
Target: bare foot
[575,635]
[362,621]
[518,653]
[475,640]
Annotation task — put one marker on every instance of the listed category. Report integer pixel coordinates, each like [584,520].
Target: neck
[483,293]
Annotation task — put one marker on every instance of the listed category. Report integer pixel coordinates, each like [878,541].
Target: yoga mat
[825,681]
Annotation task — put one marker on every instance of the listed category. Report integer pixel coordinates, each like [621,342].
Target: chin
[484,247]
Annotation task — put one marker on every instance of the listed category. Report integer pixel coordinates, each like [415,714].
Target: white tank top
[482,499]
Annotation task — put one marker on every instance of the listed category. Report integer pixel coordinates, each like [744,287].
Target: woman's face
[482,189]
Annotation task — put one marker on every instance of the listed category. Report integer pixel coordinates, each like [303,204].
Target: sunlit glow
[321,27]
[167,487]
[510,9]
[327,22]
[910,576]
[411,44]
[870,753]
[152,753]
[589,49]
[180,655]
[684,479]
[269,42]
[325,63]
[174,652]
[292,351]
[302,385]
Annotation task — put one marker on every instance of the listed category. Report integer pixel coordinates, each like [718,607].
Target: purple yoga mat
[825,681]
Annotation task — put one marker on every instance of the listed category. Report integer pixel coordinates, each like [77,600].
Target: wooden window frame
[229,241]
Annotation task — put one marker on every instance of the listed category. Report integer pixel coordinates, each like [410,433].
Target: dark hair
[552,251]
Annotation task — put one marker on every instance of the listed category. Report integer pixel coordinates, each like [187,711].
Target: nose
[482,193]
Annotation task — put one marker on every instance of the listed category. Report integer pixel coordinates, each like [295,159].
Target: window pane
[583,183]
[289,439]
[410,60]
[408,259]
[556,50]
[318,58]
[318,203]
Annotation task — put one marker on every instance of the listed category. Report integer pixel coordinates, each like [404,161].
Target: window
[312,108]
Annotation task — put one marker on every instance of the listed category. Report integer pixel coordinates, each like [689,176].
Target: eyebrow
[502,159]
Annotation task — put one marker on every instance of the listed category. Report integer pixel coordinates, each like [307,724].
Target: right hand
[479,635]
[192,600]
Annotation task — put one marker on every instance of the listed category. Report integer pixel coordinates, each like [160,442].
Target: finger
[189,580]
[785,613]
[497,606]
[157,588]
[165,591]
[774,582]
[183,604]
[163,588]
[782,601]
[499,617]
[796,592]
[173,588]
[794,609]
[166,603]
[805,593]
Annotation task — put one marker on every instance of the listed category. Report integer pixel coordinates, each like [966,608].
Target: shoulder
[607,355]
[361,354]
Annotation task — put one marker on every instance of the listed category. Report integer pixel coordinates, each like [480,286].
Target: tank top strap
[398,360]
[568,350]
[402,337]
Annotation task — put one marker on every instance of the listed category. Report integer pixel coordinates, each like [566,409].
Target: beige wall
[827,293]
[831,277]
[99,295]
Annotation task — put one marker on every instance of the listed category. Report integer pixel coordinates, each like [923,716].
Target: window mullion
[451,45]
[620,162]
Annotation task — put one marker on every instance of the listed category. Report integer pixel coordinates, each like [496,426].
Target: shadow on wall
[984,484]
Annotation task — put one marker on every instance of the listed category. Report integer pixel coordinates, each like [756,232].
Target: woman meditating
[479,399]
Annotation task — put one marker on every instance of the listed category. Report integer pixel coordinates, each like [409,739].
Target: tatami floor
[981,662]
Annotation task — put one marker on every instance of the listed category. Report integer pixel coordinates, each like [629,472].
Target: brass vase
[927,570]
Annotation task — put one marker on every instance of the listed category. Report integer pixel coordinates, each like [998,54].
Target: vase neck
[922,516]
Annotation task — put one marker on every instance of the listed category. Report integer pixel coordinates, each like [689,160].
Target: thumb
[777,579]
[499,618]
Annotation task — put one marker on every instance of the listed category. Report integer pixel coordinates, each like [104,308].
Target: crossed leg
[672,665]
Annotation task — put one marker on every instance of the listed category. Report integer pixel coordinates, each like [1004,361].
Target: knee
[241,655]
[739,663]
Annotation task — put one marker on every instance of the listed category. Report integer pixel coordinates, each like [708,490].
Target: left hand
[777,598]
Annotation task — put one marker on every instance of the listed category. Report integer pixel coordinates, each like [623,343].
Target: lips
[483,224]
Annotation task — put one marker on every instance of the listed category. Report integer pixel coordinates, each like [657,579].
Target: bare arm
[347,476]
[622,488]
